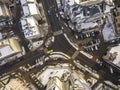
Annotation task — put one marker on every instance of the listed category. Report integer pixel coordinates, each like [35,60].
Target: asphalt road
[28,58]
[50,9]
[60,45]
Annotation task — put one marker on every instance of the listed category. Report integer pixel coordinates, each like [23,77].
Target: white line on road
[75,46]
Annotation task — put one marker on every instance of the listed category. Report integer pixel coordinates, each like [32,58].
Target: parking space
[90,42]
[7,31]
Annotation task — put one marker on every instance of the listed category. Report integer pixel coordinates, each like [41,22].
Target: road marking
[75,54]
[86,54]
[58,33]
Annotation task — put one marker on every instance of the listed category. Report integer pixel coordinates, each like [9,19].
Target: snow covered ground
[88,25]
[108,8]
[109,29]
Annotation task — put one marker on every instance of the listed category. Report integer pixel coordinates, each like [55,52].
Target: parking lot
[91,43]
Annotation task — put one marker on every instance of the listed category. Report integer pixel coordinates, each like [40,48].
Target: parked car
[4,35]
[95,41]
[12,33]
[92,34]
[96,33]
[80,36]
[87,35]
[9,29]
[81,44]
[92,49]
[87,49]
[88,43]
[95,47]
[115,41]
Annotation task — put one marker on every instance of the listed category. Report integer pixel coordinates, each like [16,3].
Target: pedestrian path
[75,54]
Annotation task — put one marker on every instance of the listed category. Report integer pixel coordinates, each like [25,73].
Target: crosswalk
[75,54]
[58,33]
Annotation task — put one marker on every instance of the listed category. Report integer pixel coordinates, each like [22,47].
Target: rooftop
[16,84]
[62,73]
[85,17]
[9,47]
[30,7]
[115,51]
[30,27]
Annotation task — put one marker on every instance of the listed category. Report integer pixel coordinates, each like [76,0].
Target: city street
[60,44]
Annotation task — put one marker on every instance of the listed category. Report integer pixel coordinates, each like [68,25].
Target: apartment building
[10,49]
[31,28]
[31,8]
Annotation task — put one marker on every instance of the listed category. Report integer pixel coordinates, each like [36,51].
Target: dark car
[95,41]
[96,33]
[115,41]
[81,36]
[92,34]
[88,43]
[9,29]
[87,49]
